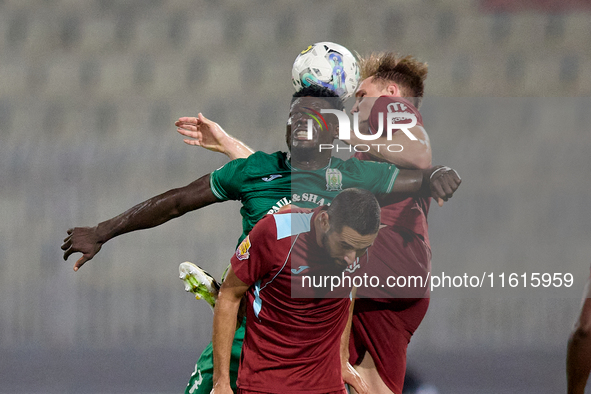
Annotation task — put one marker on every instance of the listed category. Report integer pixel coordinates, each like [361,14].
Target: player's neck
[310,159]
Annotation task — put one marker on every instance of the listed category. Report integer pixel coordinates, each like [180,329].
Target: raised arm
[224,323]
[150,213]
[203,132]
[414,155]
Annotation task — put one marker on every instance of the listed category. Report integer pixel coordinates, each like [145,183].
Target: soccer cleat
[199,282]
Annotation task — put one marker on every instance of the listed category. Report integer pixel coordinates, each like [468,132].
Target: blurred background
[89,92]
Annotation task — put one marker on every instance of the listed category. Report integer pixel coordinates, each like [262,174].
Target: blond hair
[406,71]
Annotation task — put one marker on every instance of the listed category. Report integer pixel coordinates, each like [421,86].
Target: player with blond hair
[392,83]
[383,321]
[263,183]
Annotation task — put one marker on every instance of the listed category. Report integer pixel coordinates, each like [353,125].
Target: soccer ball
[326,64]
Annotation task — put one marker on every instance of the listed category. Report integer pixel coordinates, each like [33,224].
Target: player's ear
[333,127]
[288,132]
[324,221]
[393,90]
[335,131]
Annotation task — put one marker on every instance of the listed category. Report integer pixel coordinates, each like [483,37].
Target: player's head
[388,74]
[307,104]
[350,225]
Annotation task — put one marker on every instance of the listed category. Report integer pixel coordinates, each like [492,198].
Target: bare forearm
[578,362]
[578,354]
[224,323]
[350,376]
[236,149]
[159,209]
[412,182]
[210,135]
[400,150]
[150,213]
[347,332]
[411,157]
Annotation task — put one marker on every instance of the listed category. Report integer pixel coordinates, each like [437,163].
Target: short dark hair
[320,91]
[357,209]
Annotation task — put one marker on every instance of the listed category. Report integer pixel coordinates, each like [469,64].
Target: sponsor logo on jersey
[197,382]
[295,198]
[334,180]
[353,266]
[271,177]
[242,251]
[278,205]
[299,270]
[309,197]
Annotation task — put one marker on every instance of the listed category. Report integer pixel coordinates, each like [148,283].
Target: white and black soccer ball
[326,64]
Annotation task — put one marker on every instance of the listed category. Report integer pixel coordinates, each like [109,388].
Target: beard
[336,265]
[303,153]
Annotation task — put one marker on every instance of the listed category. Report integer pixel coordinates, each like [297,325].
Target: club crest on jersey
[353,266]
[334,180]
[242,253]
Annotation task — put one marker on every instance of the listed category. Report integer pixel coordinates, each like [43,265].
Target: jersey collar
[288,163]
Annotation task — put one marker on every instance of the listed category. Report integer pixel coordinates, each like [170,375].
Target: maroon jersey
[291,345]
[410,213]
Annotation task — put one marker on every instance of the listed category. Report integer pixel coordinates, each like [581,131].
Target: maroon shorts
[384,330]
[383,323]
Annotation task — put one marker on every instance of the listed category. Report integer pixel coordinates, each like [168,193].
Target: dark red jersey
[410,213]
[292,345]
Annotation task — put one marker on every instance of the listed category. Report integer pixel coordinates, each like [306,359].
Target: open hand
[202,132]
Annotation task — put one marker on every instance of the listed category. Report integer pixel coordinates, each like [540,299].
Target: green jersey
[266,182]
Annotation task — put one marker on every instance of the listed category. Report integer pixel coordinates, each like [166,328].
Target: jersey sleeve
[226,181]
[388,104]
[254,257]
[377,177]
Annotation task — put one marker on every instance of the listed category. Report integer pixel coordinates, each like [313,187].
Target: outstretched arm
[203,132]
[150,213]
[578,354]
[224,323]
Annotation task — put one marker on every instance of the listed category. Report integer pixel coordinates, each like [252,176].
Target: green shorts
[201,381]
